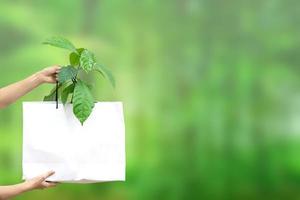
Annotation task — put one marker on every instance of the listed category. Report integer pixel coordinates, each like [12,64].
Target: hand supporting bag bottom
[53,139]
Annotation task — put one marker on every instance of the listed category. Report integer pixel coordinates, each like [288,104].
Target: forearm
[7,192]
[11,93]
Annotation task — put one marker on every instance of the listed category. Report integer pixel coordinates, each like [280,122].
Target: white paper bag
[53,139]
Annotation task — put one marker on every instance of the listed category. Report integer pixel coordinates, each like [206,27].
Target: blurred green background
[210,91]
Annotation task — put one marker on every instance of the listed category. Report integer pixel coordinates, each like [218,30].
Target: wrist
[24,187]
[38,79]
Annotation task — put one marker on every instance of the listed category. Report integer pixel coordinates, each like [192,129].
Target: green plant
[70,85]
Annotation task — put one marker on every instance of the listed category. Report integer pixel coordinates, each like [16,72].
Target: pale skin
[9,95]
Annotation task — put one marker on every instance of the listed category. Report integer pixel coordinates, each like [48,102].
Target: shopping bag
[54,139]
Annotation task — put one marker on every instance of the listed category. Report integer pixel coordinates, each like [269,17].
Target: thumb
[50,79]
[47,174]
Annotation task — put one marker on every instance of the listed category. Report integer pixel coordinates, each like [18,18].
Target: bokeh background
[211,92]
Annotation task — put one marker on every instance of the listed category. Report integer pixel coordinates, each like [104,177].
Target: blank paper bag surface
[53,139]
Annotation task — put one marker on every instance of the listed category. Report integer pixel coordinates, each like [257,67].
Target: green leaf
[67,73]
[49,97]
[83,101]
[87,60]
[74,57]
[79,50]
[60,42]
[52,94]
[90,86]
[66,92]
[106,73]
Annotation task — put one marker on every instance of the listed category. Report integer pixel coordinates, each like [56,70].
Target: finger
[49,184]
[48,174]
[57,67]
[53,69]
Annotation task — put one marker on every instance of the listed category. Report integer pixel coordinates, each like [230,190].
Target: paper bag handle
[56,94]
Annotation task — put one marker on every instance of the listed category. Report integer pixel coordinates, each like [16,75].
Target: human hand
[49,74]
[39,182]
